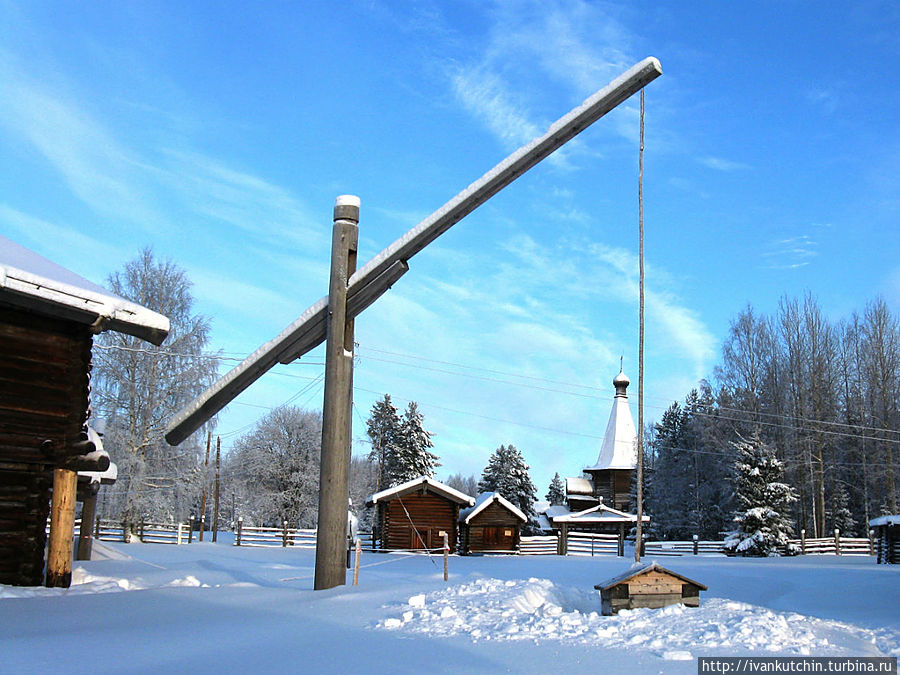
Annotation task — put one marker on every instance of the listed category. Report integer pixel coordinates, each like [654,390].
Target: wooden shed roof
[484,500]
[30,281]
[422,483]
[638,569]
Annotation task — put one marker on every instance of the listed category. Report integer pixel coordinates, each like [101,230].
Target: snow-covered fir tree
[840,517]
[413,458]
[762,523]
[507,473]
[557,492]
[383,428]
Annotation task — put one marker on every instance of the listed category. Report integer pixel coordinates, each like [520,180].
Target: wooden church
[609,479]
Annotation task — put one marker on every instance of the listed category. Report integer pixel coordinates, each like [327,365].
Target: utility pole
[216,498]
[205,476]
[334,476]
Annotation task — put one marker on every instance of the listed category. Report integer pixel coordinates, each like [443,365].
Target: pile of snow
[84,583]
[537,609]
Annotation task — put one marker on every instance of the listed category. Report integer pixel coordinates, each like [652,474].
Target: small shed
[649,585]
[886,530]
[493,525]
[411,516]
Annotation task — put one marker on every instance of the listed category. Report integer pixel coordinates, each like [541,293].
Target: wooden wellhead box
[650,586]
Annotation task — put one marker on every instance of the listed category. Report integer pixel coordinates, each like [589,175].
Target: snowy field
[217,608]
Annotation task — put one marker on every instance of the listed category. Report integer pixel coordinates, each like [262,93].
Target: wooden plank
[285,346]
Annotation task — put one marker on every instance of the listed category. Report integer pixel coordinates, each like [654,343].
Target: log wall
[486,531]
[430,514]
[44,397]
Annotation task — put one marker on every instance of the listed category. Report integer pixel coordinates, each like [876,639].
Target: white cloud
[720,164]
[791,253]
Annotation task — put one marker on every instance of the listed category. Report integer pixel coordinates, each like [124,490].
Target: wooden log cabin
[886,532]
[48,317]
[411,516]
[492,525]
[651,586]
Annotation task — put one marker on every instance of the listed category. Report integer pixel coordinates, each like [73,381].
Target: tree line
[823,395]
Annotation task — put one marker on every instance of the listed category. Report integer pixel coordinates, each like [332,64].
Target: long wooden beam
[308,331]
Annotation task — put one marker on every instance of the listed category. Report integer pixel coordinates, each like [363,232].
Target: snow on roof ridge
[422,480]
[484,500]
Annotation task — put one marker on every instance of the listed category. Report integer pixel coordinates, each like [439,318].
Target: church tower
[611,476]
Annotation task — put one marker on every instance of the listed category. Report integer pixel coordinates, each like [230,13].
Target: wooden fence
[835,545]
[247,535]
[146,532]
[676,548]
[541,545]
[591,544]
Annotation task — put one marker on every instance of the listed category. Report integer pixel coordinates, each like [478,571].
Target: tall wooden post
[334,472]
[86,534]
[62,529]
[205,476]
[216,497]
[639,531]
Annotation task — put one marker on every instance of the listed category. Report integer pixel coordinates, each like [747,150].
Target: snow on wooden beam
[308,331]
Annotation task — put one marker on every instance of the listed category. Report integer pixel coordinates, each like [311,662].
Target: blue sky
[221,133]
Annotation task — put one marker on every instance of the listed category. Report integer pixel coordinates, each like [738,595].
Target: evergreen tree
[413,457]
[507,473]
[383,428]
[557,492]
[763,525]
[841,518]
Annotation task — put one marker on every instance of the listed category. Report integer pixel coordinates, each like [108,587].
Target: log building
[411,516]
[48,317]
[492,525]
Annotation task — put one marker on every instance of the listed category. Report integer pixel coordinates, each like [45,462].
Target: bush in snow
[762,525]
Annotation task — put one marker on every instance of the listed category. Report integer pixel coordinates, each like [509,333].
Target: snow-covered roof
[638,569]
[32,282]
[619,448]
[596,514]
[484,500]
[579,486]
[429,484]
[884,520]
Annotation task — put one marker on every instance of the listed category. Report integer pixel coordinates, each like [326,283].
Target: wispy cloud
[791,253]
[721,164]
[97,168]
[574,46]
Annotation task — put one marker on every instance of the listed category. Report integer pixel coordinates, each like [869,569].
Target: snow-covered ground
[216,608]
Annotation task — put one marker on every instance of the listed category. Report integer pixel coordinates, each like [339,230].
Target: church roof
[619,449]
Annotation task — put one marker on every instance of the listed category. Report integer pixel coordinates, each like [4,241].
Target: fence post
[803,542]
[356,562]
[284,536]
[125,531]
[180,533]
[97,529]
[446,556]
[696,544]
[837,541]
[190,529]
[202,525]
[141,530]
[239,528]
[620,551]
[563,541]
[871,542]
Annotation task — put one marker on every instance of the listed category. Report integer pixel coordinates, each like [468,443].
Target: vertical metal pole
[334,476]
